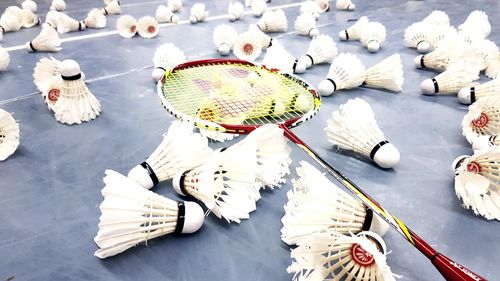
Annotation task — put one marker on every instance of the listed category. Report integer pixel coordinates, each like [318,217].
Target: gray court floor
[50,188]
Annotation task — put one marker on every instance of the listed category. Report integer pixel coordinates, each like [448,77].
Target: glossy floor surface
[50,188]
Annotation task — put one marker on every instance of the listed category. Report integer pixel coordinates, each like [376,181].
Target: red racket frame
[448,268]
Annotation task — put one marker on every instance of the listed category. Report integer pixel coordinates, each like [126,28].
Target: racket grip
[453,271]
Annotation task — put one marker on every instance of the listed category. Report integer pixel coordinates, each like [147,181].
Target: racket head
[235,96]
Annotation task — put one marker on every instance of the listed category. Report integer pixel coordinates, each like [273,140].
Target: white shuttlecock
[69,98]
[417,36]
[247,46]
[437,18]
[487,51]
[224,37]
[277,57]
[9,135]
[66,24]
[180,150]
[131,215]
[47,41]
[493,68]
[387,74]
[322,49]
[441,34]
[226,183]
[305,24]
[310,7]
[235,10]
[477,182]
[273,21]
[273,155]
[483,119]
[476,24]
[469,95]
[45,70]
[199,13]
[147,27]
[51,18]
[95,19]
[346,72]
[333,256]
[316,204]
[175,5]
[448,52]
[58,5]
[265,40]
[112,8]
[164,14]
[353,127]
[30,19]
[166,57]
[453,79]
[126,26]
[15,11]
[258,7]
[354,31]
[346,5]
[372,36]
[9,23]
[4,59]
[324,5]
[29,5]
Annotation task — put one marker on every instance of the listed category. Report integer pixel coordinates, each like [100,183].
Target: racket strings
[229,93]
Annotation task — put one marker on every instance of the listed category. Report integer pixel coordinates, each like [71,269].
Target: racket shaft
[449,269]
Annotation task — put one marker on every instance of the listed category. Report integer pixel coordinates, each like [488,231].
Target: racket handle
[453,271]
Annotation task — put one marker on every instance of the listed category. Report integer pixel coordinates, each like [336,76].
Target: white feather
[126,26]
[164,14]
[71,100]
[180,150]
[458,75]
[476,24]
[147,27]
[9,135]
[95,19]
[278,57]
[322,49]
[175,5]
[235,10]
[477,183]
[47,41]
[112,8]
[316,204]
[310,7]
[247,46]
[258,7]
[66,24]
[493,68]
[488,89]
[198,13]
[418,36]
[387,74]
[4,59]
[346,71]
[273,21]
[224,37]
[441,33]
[45,70]
[131,214]
[29,5]
[437,18]
[166,57]
[373,35]
[265,40]
[329,256]
[305,24]
[9,23]
[226,183]
[482,119]
[354,31]
[353,127]
[345,5]
[29,19]
[324,5]
[58,5]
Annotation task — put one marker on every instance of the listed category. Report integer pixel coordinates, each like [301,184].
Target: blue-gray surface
[50,188]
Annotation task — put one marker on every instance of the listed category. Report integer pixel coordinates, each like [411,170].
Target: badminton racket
[233,96]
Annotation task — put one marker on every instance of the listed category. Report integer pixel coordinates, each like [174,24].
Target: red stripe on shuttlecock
[360,256]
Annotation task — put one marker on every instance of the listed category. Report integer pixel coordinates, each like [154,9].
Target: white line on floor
[114,32]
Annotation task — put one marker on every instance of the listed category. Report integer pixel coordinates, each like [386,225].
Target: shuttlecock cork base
[144,175]
[385,154]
